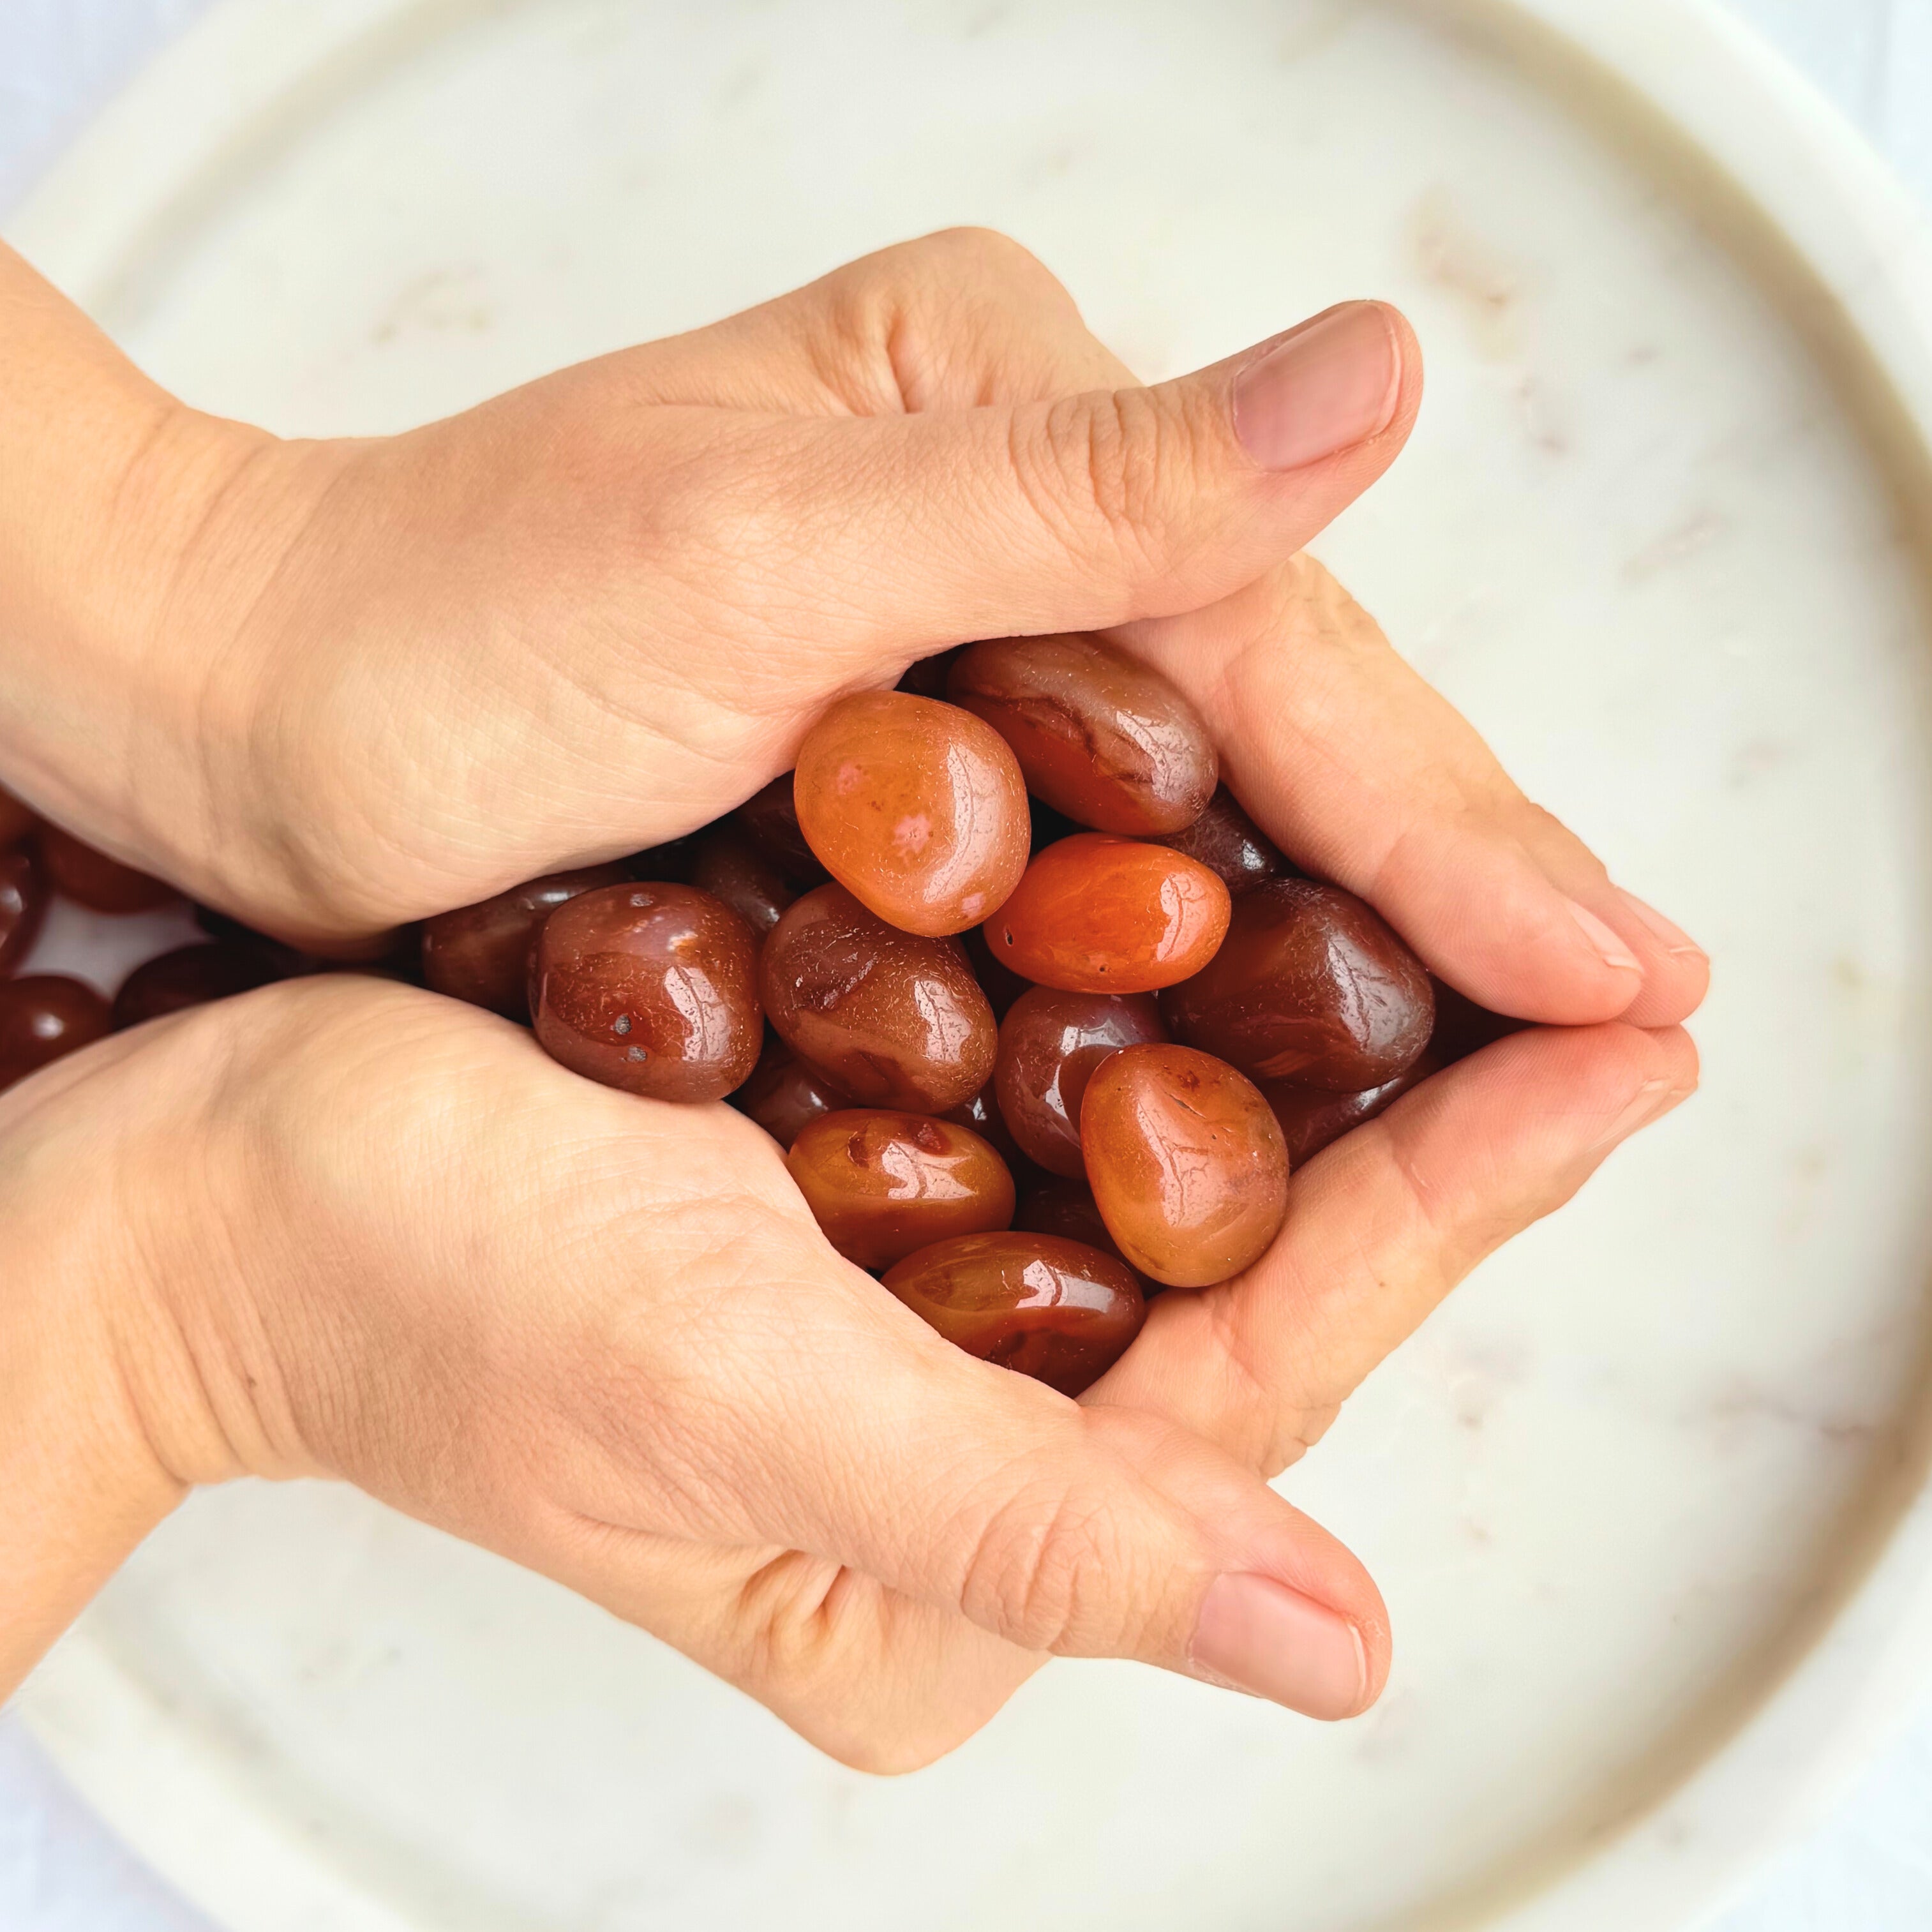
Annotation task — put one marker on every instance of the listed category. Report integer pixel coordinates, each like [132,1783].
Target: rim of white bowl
[1832,236]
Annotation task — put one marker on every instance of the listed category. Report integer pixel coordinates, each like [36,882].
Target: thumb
[1089,1532]
[1085,511]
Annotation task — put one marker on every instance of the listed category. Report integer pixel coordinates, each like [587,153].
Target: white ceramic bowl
[1648,1497]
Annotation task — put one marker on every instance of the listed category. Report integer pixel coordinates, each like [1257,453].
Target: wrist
[80,1483]
[124,708]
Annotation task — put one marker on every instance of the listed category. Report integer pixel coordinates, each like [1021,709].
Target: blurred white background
[1867,1868]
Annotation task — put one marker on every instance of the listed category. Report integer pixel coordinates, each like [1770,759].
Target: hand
[339,1227]
[378,679]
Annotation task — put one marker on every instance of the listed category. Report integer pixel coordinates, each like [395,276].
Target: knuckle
[1107,473]
[1037,1567]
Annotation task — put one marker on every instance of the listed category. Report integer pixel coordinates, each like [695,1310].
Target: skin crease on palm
[357,1231]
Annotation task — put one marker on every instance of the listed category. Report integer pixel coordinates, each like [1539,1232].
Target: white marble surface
[1867,1869]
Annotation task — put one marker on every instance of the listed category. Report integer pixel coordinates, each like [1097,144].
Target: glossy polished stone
[650,988]
[784,1095]
[1051,1042]
[895,1018]
[44,1017]
[727,864]
[24,893]
[1039,1304]
[1310,983]
[1101,737]
[916,808]
[1311,1119]
[1226,840]
[192,975]
[1187,1166]
[92,879]
[481,954]
[881,1184]
[1098,914]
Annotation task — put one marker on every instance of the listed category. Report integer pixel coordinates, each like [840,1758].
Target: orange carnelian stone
[1187,1164]
[882,1185]
[1101,737]
[1098,914]
[916,808]
[1045,1306]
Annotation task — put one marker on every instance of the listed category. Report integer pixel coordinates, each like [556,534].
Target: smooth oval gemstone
[784,1095]
[769,818]
[1100,736]
[481,953]
[915,807]
[1310,984]
[882,1184]
[24,893]
[193,976]
[17,818]
[1050,1043]
[1226,840]
[1055,1310]
[44,1017]
[727,864]
[1187,1166]
[1067,1208]
[92,879]
[1311,1120]
[1098,914]
[650,988]
[894,1018]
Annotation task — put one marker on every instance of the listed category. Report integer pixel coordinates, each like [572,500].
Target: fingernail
[1674,939]
[1258,1635]
[1614,952]
[1654,1099]
[1329,385]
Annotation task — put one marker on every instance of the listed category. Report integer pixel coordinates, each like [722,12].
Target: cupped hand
[356,1230]
[599,611]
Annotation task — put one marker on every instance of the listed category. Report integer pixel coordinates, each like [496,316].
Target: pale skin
[343,1228]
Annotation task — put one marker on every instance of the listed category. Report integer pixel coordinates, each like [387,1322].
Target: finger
[957,320]
[1383,1224]
[862,1440]
[890,537]
[1368,776]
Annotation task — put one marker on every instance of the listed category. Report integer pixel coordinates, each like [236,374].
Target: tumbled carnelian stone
[1311,1120]
[24,893]
[726,864]
[1100,736]
[45,1017]
[650,988]
[89,877]
[1231,845]
[1065,1208]
[894,1018]
[881,1185]
[1098,914]
[916,808]
[481,954]
[1050,1043]
[784,1095]
[1187,1164]
[1311,984]
[1042,1306]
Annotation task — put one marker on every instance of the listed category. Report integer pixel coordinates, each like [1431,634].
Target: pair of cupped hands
[342,1227]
